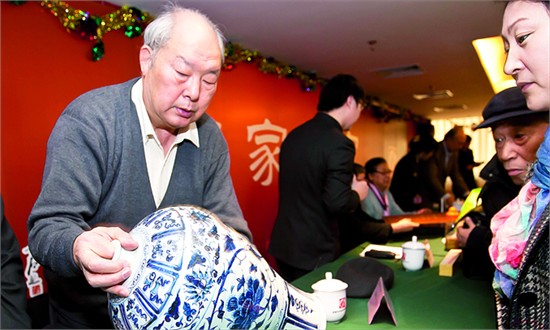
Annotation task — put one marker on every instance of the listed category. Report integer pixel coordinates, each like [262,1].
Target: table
[425,218]
[421,299]
[431,224]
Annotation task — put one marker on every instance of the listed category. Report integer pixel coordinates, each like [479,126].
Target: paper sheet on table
[395,249]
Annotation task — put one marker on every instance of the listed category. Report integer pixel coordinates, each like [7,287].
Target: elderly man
[121,152]
[518,133]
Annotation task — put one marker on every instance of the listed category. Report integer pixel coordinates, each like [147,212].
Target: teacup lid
[329,284]
[414,245]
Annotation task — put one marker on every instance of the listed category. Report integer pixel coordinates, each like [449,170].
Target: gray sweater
[95,174]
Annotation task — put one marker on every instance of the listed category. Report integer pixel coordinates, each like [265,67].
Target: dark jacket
[359,227]
[499,190]
[466,159]
[408,181]
[438,172]
[316,170]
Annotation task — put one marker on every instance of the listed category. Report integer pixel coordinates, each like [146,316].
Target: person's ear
[145,58]
[350,102]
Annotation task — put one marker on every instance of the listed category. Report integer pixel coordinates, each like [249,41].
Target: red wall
[248,97]
[44,68]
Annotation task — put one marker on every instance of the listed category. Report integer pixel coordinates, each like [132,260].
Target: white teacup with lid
[413,255]
[332,293]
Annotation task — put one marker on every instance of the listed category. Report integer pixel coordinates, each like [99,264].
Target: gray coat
[95,174]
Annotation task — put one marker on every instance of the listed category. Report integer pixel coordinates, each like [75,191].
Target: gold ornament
[94,27]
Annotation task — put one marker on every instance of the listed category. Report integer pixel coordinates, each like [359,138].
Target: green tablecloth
[421,299]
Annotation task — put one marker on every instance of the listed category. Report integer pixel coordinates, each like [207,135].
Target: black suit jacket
[316,170]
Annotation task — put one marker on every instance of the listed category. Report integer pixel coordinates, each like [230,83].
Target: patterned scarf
[541,175]
[512,225]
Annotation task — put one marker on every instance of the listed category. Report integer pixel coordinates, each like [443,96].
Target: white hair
[158,32]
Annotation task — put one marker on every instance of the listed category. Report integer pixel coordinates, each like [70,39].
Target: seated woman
[518,133]
[359,227]
[379,202]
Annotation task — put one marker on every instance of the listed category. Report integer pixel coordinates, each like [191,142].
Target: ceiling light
[434,95]
[492,57]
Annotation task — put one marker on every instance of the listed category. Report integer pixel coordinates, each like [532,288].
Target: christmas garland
[92,28]
[235,54]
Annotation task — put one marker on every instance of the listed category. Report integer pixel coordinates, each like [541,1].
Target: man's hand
[463,231]
[93,251]
[403,225]
[361,187]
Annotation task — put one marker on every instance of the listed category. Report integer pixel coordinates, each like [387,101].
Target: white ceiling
[330,37]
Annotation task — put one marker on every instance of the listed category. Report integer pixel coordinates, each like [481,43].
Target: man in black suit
[443,164]
[316,182]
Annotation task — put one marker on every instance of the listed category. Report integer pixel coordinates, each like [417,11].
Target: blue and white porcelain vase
[192,271]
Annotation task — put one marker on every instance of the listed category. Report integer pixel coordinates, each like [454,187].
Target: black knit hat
[362,274]
[510,103]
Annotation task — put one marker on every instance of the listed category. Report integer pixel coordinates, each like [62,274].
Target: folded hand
[93,253]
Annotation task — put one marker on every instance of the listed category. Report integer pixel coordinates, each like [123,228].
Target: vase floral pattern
[192,271]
